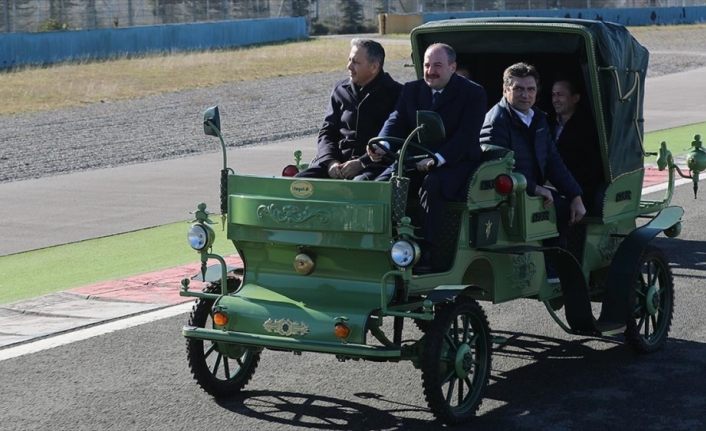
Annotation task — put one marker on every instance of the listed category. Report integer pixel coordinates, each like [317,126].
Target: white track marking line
[93,331]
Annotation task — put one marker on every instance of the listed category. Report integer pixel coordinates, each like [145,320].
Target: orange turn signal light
[341,330]
[220,318]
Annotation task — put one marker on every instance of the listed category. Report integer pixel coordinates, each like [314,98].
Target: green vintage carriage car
[328,265]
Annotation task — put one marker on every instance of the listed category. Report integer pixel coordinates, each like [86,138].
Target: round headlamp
[200,237]
[405,253]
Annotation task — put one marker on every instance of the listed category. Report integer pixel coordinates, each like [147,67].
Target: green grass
[53,269]
[678,139]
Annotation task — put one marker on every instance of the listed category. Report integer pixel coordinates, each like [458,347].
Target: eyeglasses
[526,90]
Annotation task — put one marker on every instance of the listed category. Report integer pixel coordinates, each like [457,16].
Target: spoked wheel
[218,374]
[648,328]
[456,360]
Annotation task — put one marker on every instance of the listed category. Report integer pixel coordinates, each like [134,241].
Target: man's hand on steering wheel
[375,152]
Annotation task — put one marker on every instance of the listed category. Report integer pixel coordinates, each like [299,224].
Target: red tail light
[504,184]
[290,171]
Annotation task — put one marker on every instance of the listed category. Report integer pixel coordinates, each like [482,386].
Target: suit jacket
[578,147]
[461,106]
[354,116]
[536,155]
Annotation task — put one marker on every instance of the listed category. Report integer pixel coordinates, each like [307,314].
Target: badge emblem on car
[301,189]
[285,327]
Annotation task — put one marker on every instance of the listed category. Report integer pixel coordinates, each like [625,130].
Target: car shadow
[559,385]
[686,257]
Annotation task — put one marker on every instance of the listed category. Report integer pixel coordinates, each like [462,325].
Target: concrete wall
[625,16]
[18,49]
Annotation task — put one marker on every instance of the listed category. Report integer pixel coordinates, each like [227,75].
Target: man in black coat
[358,107]
[515,123]
[461,104]
[576,138]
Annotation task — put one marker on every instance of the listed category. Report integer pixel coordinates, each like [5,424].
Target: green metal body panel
[344,226]
[622,197]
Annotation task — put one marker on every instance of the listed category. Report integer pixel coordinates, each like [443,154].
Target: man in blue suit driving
[443,175]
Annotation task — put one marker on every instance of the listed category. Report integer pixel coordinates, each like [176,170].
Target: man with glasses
[515,123]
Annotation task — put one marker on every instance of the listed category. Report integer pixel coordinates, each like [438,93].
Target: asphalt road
[137,379]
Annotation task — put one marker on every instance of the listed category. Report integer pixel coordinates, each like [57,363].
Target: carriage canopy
[606,62]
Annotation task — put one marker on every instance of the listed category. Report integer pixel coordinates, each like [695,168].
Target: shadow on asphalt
[551,384]
[684,255]
[577,384]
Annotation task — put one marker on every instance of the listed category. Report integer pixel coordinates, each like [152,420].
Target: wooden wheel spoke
[217,364]
[469,384]
[449,377]
[647,326]
[466,330]
[654,323]
[452,343]
[460,391]
[648,266]
[449,391]
[640,323]
[226,367]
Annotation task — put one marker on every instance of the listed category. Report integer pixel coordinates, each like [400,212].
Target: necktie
[435,96]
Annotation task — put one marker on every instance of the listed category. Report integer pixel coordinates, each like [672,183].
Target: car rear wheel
[648,328]
[456,360]
[218,373]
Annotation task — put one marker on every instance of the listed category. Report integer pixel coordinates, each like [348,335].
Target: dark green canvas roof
[612,62]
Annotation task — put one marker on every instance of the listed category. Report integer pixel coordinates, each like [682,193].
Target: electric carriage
[326,262]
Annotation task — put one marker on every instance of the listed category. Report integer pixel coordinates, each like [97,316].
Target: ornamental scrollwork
[292,213]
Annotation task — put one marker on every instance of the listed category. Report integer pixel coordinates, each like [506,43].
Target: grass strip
[678,139]
[76,84]
[53,269]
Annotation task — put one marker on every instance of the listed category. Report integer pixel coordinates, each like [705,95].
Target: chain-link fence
[323,15]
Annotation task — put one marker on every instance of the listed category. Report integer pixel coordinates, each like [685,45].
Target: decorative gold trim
[286,327]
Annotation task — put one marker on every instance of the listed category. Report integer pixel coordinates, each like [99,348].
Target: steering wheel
[410,162]
[376,143]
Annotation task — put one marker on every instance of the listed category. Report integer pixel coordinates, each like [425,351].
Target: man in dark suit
[461,103]
[515,123]
[358,107]
[576,138]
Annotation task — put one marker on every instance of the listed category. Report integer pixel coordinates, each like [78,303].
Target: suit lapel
[424,96]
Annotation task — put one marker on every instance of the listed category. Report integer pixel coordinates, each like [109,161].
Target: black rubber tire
[210,368]
[443,385]
[645,332]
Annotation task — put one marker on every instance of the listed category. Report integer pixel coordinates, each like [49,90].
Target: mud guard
[617,303]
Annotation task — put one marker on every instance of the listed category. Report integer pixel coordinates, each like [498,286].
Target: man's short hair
[375,51]
[450,52]
[570,84]
[519,70]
